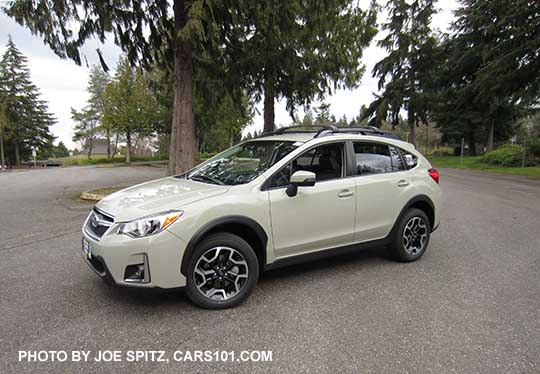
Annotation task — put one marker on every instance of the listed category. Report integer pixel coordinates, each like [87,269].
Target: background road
[470,305]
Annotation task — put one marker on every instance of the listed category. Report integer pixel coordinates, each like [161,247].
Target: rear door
[318,217]
[383,187]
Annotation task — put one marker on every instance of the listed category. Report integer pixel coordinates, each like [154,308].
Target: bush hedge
[533,148]
[505,155]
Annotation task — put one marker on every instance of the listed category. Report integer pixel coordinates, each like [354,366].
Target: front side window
[242,163]
[326,161]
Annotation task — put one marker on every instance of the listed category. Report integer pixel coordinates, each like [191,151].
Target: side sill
[326,253]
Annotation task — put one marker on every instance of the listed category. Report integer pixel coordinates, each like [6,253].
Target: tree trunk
[472,145]
[115,149]
[90,147]
[183,139]
[231,137]
[108,143]
[128,147]
[412,129]
[269,96]
[427,138]
[2,158]
[17,153]
[489,146]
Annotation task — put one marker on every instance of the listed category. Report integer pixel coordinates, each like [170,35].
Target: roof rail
[300,129]
[325,130]
[370,130]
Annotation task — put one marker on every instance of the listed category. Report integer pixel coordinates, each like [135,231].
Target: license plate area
[87,249]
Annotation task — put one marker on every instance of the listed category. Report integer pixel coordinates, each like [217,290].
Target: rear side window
[376,158]
[372,158]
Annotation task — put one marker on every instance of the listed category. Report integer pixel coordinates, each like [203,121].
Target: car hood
[156,196]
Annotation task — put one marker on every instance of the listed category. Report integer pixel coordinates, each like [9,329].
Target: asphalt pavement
[470,305]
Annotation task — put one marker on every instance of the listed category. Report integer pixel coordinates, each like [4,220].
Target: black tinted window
[372,158]
[281,178]
[397,161]
[410,159]
[325,161]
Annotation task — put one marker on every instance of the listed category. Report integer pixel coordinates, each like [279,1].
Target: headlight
[150,225]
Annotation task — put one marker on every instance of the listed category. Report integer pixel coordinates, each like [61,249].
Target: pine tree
[508,35]
[174,31]
[97,83]
[297,50]
[469,106]
[26,119]
[405,74]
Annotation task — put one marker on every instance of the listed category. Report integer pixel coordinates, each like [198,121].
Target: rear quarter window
[410,160]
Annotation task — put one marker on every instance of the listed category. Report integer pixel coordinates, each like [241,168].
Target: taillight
[434,174]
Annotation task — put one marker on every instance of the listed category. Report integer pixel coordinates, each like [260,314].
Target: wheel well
[426,208]
[257,240]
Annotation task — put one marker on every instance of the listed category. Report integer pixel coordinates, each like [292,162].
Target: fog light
[134,273]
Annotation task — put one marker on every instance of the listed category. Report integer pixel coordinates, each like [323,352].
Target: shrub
[505,155]
[533,148]
[206,155]
[441,152]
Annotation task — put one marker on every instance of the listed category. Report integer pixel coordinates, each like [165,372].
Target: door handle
[345,193]
[403,183]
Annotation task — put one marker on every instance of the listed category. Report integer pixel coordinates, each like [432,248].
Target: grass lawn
[475,164]
[102,159]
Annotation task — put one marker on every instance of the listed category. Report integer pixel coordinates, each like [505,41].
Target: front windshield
[242,163]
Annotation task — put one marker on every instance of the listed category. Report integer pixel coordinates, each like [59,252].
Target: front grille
[98,223]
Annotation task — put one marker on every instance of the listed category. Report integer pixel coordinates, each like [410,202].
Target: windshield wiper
[205,179]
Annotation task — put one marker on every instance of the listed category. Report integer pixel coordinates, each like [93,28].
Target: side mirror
[300,178]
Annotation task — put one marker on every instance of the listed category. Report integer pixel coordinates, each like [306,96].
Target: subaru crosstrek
[291,195]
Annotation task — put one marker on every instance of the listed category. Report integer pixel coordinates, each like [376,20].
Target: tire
[222,272]
[407,244]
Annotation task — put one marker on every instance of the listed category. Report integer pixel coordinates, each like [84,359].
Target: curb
[89,196]
[135,163]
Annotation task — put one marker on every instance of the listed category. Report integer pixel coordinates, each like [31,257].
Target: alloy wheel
[415,236]
[220,273]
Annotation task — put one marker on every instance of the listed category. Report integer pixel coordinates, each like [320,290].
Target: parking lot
[470,305]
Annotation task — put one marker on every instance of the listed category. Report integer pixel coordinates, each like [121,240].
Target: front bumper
[161,255]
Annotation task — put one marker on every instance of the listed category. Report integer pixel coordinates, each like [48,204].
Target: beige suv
[291,195]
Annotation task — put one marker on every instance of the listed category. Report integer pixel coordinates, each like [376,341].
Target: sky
[63,84]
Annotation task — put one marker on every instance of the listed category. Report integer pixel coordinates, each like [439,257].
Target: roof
[313,133]
[294,136]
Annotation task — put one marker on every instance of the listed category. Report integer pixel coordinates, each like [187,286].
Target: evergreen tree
[97,83]
[466,105]
[61,150]
[406,73]
[297,50]
[25,116]
[508,32]
[175,31]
